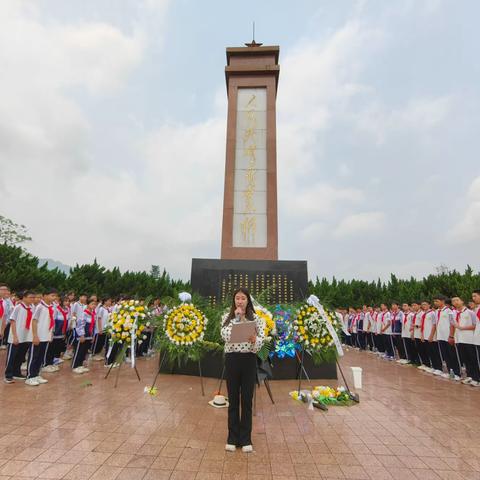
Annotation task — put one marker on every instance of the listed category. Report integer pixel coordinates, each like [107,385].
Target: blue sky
[113,116]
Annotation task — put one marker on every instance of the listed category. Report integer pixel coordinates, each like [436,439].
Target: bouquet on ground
[323,395]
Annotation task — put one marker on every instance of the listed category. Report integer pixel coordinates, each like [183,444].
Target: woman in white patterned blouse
[241,370]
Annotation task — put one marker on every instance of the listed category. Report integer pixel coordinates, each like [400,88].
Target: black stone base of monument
[283,281]
[283,369]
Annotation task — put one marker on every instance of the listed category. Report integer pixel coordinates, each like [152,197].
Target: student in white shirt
[43,321]
[76,312]
[397,317]
[406,335]
[386,331]
[19,338]
[84,333]
[446,338]
[99,341]
[465,323]
[3,313]
[8,305]
[427,338]
[476,333]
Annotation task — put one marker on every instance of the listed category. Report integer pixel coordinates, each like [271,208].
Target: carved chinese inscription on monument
[250,193]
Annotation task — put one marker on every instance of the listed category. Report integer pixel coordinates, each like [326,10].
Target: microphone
[237,317]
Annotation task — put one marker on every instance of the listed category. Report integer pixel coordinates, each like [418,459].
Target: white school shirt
[429,323]
[386,317]
[8,309]
[417,323]
[378,322]
[42,316]
[476,333]
[464,318]
[367,319]
[77,312]
[19,315]
[444,320]
[406,324]
[102,318]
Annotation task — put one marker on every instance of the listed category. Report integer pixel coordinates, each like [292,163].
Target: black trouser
[55,348]
[361,339]
[369,340]
[468,357]
[434,354]
[5,334]
[98,343]
[80,350]
[36,356]
[15,357]
[241,374]
[412,350]
[400,346]
[389,349]
[379,342]
[113,354]
[448,355]
[422,352]
[70,337]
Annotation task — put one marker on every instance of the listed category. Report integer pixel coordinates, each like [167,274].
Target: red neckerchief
[394,319]
[50,314]
[459,313]
[65,321]
[2,309]
[478,313]
[382,315]
[405,317]
[424,316]
[92,320]
[29,315]
[439,312]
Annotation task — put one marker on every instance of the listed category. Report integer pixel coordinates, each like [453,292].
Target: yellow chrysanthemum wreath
[185,324]
[128,318]
[311,329]
[267,317]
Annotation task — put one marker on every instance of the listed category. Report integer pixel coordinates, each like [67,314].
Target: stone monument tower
[249,248]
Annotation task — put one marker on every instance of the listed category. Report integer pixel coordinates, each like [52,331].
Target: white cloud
[467,228]
[365,223]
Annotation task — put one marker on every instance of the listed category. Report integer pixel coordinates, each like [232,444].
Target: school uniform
[44,316]
[448,353]
[85,328]
[100,337]
[429,323]
[386,319]
[361,330]
[352,329]
[378,333]
[76,312]
[58,344]
[22,316]
[397,323]
[241,376]
[464,340]
[420,346]
[367,325]
[476,338]
[7,307]
[406,337]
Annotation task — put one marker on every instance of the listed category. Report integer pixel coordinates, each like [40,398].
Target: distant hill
[52,264]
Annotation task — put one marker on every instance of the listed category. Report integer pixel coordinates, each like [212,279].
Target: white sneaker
[78,370]
[445,375]
[437,372]
[456,378]
[58,361]
[32,382]
[247,449]
[24,366]
[84,369]
[49,369]
[421,367]
[467,380]
[429,370]
[474,383]
[67,356]
[97,358]
[230,448]
[41,380]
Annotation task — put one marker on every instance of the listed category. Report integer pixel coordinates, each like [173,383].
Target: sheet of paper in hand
[242,331]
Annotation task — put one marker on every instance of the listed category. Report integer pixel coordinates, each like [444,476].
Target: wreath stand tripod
[161,361]
[123,355]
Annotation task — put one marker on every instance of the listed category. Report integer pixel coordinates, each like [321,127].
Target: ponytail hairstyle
[249,311]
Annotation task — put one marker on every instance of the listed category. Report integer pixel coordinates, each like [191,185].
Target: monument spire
[253,43]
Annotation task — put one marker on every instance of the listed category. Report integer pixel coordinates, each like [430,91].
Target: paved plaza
[408,425]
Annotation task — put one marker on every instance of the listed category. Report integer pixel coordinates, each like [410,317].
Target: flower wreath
[267,317]
[185,324]
[128,319]
[311,329]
